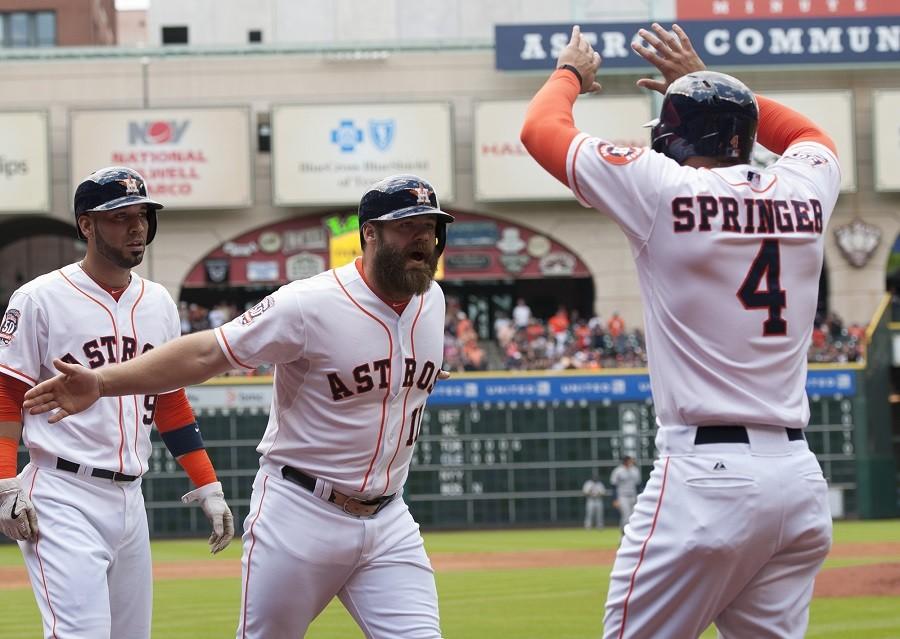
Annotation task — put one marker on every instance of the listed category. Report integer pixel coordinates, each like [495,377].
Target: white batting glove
[212,501]
[18,518]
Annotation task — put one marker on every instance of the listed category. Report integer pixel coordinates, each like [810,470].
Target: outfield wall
[500,450]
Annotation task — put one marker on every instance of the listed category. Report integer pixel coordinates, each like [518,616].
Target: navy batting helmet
[400,196]
[709,114]
[112,188]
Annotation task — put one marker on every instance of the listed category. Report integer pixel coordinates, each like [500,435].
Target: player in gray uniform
[625,479]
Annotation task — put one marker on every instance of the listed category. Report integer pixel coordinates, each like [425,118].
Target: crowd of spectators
[564,341]
[833,342]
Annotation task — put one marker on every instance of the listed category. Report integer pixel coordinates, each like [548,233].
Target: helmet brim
[126,200]
[412,211]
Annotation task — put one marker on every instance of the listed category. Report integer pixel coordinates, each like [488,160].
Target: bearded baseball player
[733,523]
[76,509]
[357,351]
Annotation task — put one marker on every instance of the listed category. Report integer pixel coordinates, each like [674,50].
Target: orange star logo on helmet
[132,187]
[423,194]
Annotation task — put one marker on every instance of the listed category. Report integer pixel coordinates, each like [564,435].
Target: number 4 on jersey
[766,265]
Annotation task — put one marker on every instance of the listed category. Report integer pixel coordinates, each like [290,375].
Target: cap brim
[127,200]
[412,211]
[651,123]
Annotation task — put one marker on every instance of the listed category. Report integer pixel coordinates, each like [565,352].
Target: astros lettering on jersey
[78,321]
[327,367]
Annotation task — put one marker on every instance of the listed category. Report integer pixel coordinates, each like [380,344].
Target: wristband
[183,440]
[569,67]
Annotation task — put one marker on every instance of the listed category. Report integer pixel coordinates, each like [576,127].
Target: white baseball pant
[301,551]
[731,534]
[90,566]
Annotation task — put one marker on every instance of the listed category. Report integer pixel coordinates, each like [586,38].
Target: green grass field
[545,603]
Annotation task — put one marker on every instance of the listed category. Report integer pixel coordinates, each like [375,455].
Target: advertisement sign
[595,388]
[736,9]
[190,158]
[886,134]
[833,112]
[24,162]
[329,154]
[505,172]
[787,41]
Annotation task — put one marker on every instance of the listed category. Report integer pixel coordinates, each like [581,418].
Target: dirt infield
[876,579]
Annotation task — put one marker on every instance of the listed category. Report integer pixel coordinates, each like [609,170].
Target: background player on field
[733,523]
[594,491]
[357,351]
[625,479]
[76,508]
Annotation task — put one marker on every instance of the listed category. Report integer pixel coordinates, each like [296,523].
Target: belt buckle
[361,507]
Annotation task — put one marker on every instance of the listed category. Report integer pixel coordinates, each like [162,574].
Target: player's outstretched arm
[671,53]
[188,360]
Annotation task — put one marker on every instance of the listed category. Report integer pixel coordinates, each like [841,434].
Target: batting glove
[18,518]
[212,501]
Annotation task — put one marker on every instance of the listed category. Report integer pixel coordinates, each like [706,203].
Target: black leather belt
[350,505]
[72,467]
[729,434]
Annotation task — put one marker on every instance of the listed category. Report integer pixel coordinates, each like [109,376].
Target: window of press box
[254,36]
[174,35]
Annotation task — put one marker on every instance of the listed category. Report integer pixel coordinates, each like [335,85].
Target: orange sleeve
[780,127]
[12,394]
[198,467]
[549,125]
[173,410]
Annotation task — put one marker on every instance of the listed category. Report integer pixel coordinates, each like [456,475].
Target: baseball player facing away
[357,351]
[625,478]
[76,508]
[733,524]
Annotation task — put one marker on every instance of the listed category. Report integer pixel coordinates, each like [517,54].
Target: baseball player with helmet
[357,351]
[733,524]
[76,509]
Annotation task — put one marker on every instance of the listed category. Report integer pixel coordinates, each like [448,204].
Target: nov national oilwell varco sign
[719,43]
[191,158]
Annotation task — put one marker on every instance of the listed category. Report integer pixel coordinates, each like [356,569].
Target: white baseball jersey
[66,314]
[351,377]
[725,259]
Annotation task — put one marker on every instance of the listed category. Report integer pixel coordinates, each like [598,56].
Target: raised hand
[581,55]
[671,53]
[72,391]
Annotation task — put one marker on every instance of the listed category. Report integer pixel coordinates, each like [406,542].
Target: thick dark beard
[394,279]
[120,259]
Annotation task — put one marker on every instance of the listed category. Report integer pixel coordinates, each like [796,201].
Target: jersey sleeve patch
[619,155]
[251,314]
[9,325]
[813,159]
